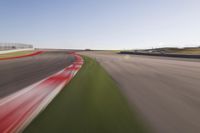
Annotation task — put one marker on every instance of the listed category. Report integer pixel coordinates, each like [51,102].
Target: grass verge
[91,103]
[14,54]
[189,51]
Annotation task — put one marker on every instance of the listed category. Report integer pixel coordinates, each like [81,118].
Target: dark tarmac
[15,74]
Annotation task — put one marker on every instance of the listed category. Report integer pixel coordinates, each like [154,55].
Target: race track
[15,74]
[165,91]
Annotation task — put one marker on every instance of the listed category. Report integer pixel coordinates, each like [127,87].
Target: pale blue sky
[101,24]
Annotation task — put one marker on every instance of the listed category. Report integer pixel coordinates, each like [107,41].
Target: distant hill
[187,50]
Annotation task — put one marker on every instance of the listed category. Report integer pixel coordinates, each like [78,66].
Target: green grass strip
[189,51]
[14,54]
[91,103]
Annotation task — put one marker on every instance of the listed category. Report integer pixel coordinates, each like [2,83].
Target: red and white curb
[22,56]
[20,108]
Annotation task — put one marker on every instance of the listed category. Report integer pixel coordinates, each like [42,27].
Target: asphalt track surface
[165,91]
[15,74]
[19,109]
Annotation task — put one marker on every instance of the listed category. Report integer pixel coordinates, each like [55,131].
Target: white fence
[10,46]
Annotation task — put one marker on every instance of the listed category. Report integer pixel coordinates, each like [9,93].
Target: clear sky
[101,24]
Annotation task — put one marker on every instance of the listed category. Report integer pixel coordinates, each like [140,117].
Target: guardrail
[163,54]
